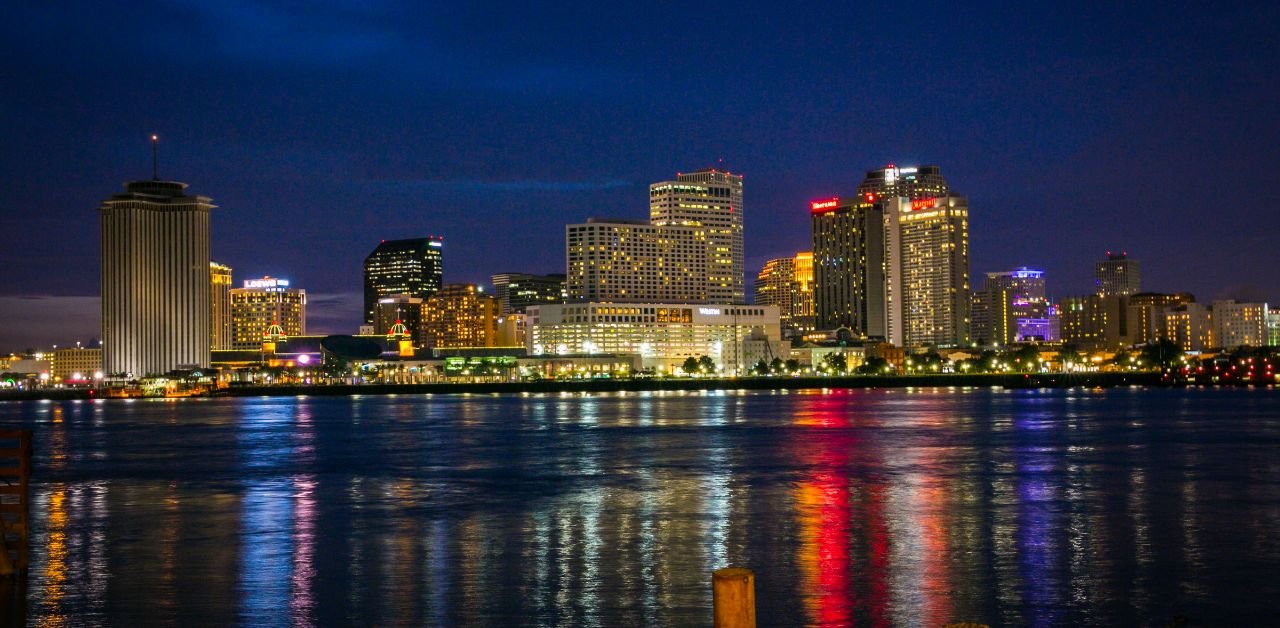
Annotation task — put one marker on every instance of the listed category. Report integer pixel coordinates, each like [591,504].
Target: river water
[865,507]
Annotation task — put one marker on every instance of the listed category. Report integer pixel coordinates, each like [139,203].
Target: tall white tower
[155,279]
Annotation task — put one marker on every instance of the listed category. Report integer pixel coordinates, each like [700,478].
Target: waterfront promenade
[1001,380]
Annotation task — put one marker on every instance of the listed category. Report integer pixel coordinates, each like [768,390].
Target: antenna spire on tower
[155,139]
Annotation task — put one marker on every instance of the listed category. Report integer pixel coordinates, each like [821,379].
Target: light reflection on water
[899,507]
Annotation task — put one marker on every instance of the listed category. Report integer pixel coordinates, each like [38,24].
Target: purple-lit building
[1039,329]
[1005,299]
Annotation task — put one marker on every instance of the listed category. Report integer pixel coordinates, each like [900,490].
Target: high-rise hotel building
[412,267]
[849,247]
[915,183]
[262,303]
[155,279]
[624,261]
[893,262]
[219,306]
[929,272]
[713,199]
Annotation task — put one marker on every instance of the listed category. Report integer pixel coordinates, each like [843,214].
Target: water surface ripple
[863,507]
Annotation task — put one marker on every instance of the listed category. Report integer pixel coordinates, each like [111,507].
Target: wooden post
[15,500]
[733,592]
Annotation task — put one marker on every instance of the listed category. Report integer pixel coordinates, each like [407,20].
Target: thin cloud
[472,185]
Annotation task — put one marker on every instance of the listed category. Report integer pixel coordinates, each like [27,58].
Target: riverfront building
[264,302]
[414,267]
[711,199]
[76,365]
[155,279]
[664,335]
[626,261]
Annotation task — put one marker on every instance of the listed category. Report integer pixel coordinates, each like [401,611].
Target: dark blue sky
[320,128]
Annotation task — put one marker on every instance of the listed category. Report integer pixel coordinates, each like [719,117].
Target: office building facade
[155,279]
[1237,324]
[775,285]
[787,283]
[712,199]
[625,261]
[404,309]
[460,315]
[1144,312]
[261,303]
[517,291]
[76,365]
[219,307]
[1005,299]
[414,267]
[1189,326]
[1117,275]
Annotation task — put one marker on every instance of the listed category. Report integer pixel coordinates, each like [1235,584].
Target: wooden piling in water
[15,500]
[733,593]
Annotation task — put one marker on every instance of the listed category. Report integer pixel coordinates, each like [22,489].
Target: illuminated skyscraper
[262,303]
[219,306]
[414,267]
[155,279]
[915,183]
[927,271]
[773,285]
[713,199]
[624,261]
[787,283]
[849,247]
[802,308]
[1118,275]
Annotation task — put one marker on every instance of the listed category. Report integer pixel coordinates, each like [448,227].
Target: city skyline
[1055,178]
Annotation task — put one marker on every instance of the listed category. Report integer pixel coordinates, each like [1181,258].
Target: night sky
[320,128]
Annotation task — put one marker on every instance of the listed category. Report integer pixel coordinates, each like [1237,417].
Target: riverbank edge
[1003,380]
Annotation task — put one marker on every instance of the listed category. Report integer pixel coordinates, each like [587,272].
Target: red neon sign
[923,203]
[819,207]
